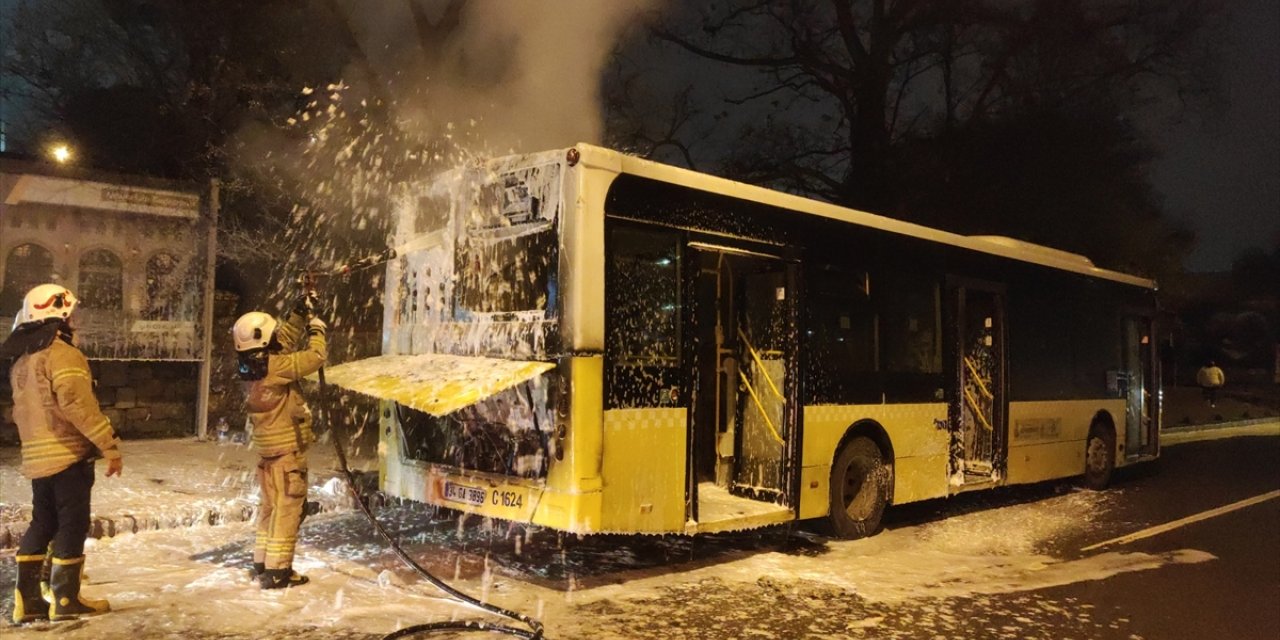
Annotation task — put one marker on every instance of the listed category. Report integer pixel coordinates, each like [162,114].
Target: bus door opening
[1139,384]
[977,407]
[744,332]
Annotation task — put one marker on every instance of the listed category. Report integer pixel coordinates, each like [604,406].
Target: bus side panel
[1047,439]
[572,500]
[644,470]
[397,476]
[920,440]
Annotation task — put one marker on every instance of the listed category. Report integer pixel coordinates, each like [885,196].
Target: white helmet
[253,330]
[46,301]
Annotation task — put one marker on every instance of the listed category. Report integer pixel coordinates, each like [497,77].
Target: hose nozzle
[364,263]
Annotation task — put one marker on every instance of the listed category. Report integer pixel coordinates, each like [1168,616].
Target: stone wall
[147,399]
[143,399]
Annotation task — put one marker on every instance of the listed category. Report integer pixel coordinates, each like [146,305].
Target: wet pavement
[793,582]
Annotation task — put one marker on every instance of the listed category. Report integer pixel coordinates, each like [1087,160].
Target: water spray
[308,278]
[364,263]
[534,630]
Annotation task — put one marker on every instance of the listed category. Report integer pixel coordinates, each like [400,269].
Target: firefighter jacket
[58,417]
[281,418]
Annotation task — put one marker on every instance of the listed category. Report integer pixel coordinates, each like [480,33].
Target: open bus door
[1139,383]
[743,431]
[977,408]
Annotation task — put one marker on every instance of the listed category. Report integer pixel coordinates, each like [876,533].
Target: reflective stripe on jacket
[59,420]
[281,418]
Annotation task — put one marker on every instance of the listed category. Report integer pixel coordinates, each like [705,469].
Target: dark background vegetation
[1032,119]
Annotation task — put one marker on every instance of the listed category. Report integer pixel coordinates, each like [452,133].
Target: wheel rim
[858,492]
[1097,455]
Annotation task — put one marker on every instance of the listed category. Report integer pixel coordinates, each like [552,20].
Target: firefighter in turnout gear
[63,431]
[271,371]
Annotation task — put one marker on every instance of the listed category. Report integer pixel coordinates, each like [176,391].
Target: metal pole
[206,347]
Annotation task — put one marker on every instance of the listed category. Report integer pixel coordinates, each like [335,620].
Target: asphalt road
[1233,593]
[1237,595]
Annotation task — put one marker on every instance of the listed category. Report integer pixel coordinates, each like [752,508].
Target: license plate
[463,493]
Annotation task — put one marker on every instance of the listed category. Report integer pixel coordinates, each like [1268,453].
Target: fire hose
[534,630]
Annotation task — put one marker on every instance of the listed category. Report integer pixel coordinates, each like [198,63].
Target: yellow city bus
[596,343]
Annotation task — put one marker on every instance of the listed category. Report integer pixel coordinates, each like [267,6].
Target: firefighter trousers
[59,512]
[282,481]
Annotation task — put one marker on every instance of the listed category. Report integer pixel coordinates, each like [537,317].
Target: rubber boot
[46,567]
[68,604]
[28,606]
[46,592]
[282,579]
[256,571]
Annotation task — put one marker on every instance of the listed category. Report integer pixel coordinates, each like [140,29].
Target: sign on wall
[31,189]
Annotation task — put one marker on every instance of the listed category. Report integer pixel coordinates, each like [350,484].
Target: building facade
[135,251]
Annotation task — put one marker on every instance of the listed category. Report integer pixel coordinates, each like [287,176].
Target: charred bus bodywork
[592,342]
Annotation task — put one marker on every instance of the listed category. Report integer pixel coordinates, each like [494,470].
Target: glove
[306,304]
[316,325]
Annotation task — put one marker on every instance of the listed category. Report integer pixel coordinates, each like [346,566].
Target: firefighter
[63,432]
[271,370]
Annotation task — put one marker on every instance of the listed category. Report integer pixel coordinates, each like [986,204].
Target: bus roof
[994,245]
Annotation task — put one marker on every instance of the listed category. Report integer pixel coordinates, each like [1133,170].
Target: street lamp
[60,152]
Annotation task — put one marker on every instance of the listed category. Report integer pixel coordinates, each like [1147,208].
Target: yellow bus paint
[575,481]
[644,470]
[917,433]
[1047,438]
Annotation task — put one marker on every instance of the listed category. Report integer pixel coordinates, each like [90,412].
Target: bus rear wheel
[1099,457]
[859,489]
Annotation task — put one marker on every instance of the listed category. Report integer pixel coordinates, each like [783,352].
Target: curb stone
[1219,425]
[15,519]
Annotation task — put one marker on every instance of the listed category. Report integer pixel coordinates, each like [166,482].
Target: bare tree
[639,121]
[838,84]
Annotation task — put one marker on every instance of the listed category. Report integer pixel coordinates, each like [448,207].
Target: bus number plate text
[508,498]
[463,493]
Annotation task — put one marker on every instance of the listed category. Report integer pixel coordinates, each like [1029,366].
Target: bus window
[642,302]
[508,251]
[506,273]
[910,338]
[508,433]
[841,337]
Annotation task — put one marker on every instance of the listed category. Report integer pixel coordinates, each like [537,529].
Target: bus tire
[1099,457]
[859,489]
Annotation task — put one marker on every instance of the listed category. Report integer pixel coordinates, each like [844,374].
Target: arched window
[26,266]
[101,285]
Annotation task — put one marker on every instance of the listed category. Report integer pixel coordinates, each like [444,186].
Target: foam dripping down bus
[596,343]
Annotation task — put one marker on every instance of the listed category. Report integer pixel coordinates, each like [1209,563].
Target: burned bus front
[473,376]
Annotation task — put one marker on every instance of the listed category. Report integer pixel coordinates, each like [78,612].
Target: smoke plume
[429,85]
[523,75]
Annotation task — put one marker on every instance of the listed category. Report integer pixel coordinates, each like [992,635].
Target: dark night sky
[1222,176]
